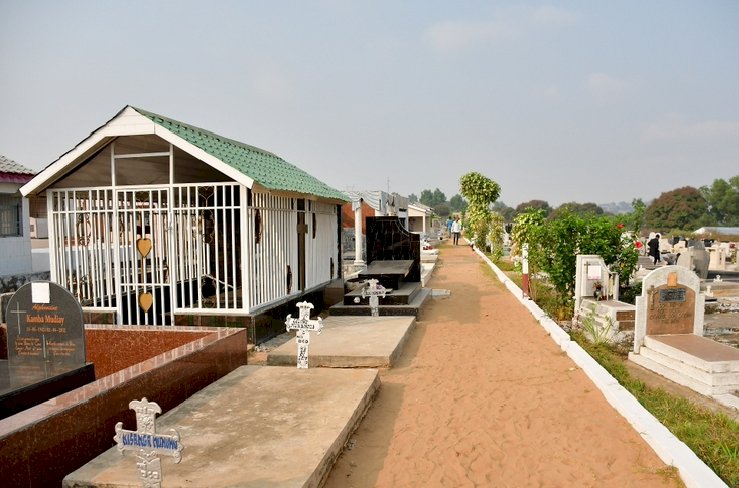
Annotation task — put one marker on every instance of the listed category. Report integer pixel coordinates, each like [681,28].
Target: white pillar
[358,261]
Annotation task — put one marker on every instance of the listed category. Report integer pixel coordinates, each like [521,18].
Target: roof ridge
[150,114]
[265,168]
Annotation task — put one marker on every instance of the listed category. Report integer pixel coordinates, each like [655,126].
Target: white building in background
[15,232]
[420,218]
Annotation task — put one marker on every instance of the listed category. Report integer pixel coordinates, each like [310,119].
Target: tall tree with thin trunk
[480,191]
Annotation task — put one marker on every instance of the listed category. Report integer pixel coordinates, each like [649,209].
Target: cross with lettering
[147,443]
[374,290]
[303,325]
[18,313]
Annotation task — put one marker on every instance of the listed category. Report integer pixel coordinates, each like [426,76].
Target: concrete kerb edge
[672,451]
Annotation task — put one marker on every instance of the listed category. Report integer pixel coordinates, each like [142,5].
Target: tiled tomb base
[41,445]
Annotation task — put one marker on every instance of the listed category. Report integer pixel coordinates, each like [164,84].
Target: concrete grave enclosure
[42,444]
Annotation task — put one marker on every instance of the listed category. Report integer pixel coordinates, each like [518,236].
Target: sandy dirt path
[483,397]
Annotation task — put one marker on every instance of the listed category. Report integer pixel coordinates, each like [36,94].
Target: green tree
[426,198]
[432,198]
[439,197]
[722,198]
[495,235]
[527,229]
[535,204]
[507,212]
[682,209]
[577,208]
[442,209]
[457,203]
[480,191]
[635,219]
[555,243]
[412,198]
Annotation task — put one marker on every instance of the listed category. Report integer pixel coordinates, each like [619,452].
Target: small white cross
[303,325]
[374,290]
[147,443]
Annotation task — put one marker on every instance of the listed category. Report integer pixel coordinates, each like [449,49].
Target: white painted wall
[15,252]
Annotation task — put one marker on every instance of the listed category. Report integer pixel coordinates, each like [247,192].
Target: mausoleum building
[157,221]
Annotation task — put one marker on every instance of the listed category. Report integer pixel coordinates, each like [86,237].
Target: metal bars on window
[82,253]
[207,233]
[323,248]
[143,222]
[272,258]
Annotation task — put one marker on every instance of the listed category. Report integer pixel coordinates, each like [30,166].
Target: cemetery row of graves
[163,230]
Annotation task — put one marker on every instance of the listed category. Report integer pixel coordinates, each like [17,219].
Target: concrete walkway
[482,396]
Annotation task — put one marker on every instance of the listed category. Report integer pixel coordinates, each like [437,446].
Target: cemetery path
[482,397]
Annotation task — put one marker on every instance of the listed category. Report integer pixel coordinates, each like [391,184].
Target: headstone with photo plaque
[46,347]
[670,303]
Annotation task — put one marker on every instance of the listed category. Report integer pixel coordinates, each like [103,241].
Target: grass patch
[712,436]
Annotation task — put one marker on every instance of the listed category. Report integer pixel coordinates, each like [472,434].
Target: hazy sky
[562,101]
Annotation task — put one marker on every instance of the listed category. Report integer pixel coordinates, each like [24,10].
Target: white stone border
[693,472]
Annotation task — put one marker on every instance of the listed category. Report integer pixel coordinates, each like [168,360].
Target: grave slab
[258,426]
[352,342]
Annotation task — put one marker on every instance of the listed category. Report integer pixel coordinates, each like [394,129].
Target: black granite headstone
[45,324]
[46,347]
[388,240]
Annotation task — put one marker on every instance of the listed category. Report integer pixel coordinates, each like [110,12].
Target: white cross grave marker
[374,290]
[147,443]
[303,325]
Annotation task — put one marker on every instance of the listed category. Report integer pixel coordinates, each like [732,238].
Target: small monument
[670,303]
[374,290]
[669,336]
[147,444]
[46,347]
[45,325]
[303,326]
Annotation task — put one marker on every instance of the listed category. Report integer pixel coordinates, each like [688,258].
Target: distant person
[449,223]
[456,228]
[653,246]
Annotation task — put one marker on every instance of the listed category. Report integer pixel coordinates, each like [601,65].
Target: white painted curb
[693,472]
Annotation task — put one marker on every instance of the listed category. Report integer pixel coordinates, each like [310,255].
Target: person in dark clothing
[653,245]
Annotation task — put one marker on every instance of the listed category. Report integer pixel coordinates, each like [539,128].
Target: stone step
[705,366]
[410,309]
[699,352]
[671,374]
[402,296]
[728,378]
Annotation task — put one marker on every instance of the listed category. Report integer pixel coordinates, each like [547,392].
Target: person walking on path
[482,397]
[456,230]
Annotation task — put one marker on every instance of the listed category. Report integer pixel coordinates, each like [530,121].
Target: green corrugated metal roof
[270,171]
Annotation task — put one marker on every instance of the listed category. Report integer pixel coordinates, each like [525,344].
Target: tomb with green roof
[156,222]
